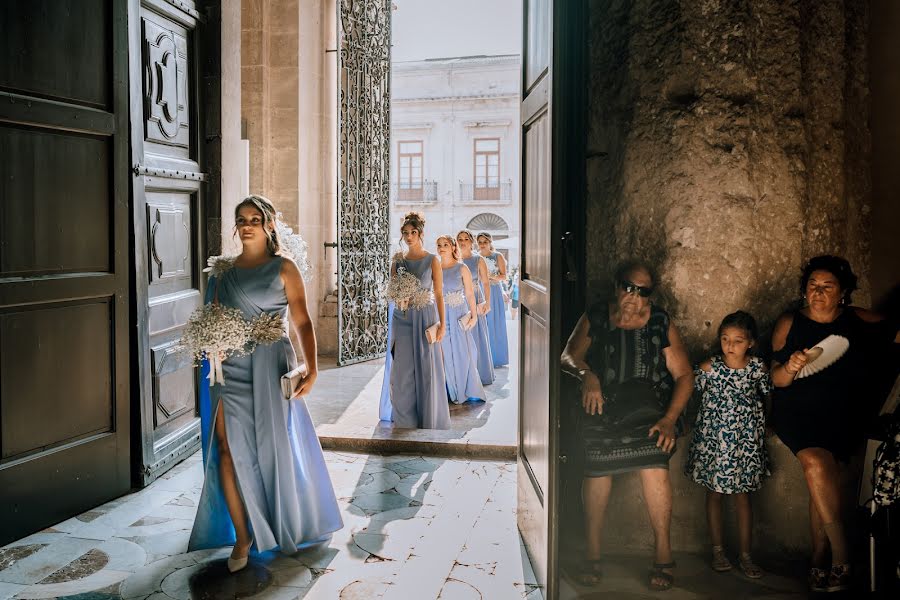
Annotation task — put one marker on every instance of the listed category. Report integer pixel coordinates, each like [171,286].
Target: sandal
[818,579]
[720,562]
[838,578]
[589,572]
[749,567]
[657,574]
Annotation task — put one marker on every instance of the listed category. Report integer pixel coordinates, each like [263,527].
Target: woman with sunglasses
[636,380]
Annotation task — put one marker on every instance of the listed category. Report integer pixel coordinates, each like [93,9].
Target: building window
[487,169]
[410,165]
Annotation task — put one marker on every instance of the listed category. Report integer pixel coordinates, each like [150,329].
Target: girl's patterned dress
[728,451]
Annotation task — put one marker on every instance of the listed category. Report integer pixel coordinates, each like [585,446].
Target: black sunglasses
[633,288]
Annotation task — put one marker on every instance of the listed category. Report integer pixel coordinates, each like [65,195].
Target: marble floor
[413,528]
[344,407]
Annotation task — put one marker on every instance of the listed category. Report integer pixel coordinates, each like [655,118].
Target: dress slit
[220,408]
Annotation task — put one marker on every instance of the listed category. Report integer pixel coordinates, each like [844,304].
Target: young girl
[414,369]
[496,318]
[465,239]
[727,452]
[460,353]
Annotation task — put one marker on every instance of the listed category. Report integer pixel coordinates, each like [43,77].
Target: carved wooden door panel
[550,291]
[167,196]
[64,268]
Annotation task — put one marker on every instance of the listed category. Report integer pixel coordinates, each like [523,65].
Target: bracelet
[581,373]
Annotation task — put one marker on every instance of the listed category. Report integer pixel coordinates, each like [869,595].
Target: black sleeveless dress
[637,389]
[830,408]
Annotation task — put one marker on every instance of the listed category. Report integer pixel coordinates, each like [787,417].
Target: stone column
[288,101]
[232,148]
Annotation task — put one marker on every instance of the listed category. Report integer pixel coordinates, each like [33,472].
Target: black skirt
[617,441]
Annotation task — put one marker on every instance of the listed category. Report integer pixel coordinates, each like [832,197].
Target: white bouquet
[215,332]
[267,328]
[492,269]
[404,289]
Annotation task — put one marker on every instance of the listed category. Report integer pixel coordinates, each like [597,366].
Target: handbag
[467,321]
[431,333]
[291,379]
[629,408]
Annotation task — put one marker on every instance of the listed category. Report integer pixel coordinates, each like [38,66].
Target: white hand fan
[824,354]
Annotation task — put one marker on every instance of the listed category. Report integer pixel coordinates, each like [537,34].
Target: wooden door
[549,290]
[64,267]
[167,183]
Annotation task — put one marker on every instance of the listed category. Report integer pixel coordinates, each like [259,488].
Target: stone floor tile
[100,579]
[171,511]
[416,465]
[9,590]
[47,560]
[415,486]
[177,584]
[377,482]
[297,577]
[164,526]
[136,506]
[375,503]
[148,579]
[330,584]
[166,544]
[12,554]
[363,590]
[458,589]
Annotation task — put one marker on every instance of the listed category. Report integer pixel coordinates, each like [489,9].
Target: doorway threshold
[344,409]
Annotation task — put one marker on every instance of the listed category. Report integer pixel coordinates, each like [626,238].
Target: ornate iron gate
[364,74]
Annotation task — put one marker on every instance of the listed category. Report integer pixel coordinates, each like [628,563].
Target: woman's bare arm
[300,320]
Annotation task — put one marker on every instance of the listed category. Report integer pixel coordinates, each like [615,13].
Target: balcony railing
[501,194]
[427,194]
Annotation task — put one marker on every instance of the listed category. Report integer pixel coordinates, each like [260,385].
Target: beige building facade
[455,146]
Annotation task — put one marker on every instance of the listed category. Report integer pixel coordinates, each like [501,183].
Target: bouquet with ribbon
[215,332]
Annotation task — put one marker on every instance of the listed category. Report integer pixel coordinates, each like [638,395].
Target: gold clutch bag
[290,380]
[467,321]
[431,333]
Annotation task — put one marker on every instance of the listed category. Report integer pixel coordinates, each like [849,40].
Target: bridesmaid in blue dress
[266,483]
[458,346]
[496,319]
[415,377]
[478,268]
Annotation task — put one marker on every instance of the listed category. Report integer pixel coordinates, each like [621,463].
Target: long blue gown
[458,345]
[281,472]
[480,332]
[414,373]
[496,320]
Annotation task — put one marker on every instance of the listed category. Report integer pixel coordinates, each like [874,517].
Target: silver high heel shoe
[236,564]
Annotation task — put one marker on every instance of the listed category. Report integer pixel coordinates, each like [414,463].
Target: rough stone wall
[727,143]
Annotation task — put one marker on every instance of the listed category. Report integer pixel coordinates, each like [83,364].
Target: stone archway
[490,222]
